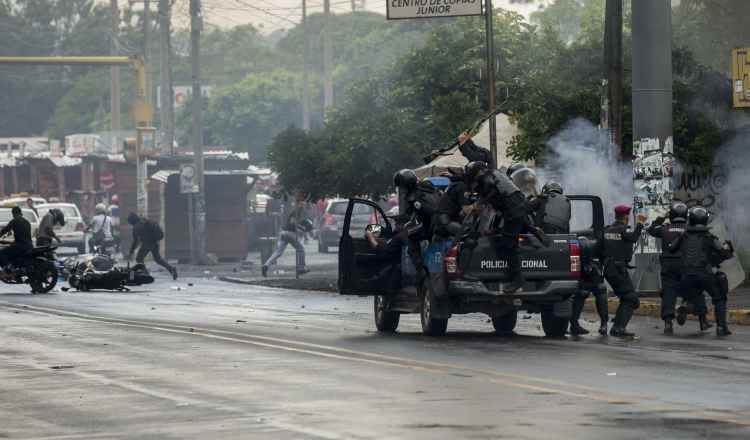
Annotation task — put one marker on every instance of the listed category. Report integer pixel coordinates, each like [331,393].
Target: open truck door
[587,219]
[359,264]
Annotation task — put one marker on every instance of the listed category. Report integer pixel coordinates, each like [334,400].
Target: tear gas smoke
[584,161]
[733,207]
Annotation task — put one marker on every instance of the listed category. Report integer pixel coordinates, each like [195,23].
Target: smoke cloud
[584,161]
[733,206]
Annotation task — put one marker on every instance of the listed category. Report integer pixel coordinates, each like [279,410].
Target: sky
[272,15]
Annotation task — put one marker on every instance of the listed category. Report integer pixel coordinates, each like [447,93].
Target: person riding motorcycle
[22,244]
[46,233]
[101,228]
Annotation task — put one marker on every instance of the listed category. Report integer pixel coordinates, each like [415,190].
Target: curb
[302,284]
[653,309]
[234,280]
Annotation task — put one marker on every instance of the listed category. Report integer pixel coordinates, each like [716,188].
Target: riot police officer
[671,263]
[450,206]
[474,153]
[419,201]
[502,194]
[617,251]
[551,210]
[699,249]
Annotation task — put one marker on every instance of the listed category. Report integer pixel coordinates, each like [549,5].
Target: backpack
[428,196]
[153,231]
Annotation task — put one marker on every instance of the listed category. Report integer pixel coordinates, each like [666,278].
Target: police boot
[603,328]
[577,330]
[621,333]
[622,317]
[704,323]
[668,327]
[682,313]
[720,310]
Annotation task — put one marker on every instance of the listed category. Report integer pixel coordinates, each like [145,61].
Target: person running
[147,234]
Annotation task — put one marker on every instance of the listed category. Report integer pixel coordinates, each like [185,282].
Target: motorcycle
[98,272]
[37,268]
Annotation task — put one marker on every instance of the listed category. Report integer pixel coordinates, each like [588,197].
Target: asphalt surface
[219,360]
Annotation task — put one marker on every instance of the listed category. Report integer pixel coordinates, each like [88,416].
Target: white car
[6,216]
[72,234]
[21,201]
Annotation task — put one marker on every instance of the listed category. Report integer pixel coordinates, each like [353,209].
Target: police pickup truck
[468,278]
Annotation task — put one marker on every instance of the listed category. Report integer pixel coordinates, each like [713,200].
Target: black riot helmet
[678,212]
[552,187]
[515,167]
[474,169]
[698,216]
[405,178]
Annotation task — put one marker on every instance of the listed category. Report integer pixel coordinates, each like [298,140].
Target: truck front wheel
[431,326]
[504,324]
[385,320]
[554,327]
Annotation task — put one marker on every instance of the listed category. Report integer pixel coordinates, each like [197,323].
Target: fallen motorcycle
[99,272]
[37,268]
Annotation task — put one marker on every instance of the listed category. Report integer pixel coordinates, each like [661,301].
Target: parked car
[21,201]
[6,215]
[72,234]
[333,221]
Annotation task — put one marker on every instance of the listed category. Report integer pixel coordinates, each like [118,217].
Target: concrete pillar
[652,127]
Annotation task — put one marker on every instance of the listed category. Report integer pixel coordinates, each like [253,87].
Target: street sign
[741,78]
[188,179]
[400,9]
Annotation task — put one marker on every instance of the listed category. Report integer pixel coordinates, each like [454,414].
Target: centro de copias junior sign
[399,9]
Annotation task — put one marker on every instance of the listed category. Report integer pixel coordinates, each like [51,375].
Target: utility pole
[305,71]
[327,58]
[489,16]
[114,85]
[146,36]
[354,5]
[614,70]
[199,205]
[165,76]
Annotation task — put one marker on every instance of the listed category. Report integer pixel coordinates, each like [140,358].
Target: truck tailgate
[537,263]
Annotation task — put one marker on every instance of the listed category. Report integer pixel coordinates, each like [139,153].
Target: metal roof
[163,175]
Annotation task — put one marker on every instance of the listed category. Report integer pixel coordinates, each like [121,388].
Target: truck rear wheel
[554,327]
[385,320]
[504,324]
[431,326]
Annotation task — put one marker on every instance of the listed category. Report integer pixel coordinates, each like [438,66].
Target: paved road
[215,360]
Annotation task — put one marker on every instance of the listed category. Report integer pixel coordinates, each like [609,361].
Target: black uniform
[617,252]
[474,153]
[421,203]
[671,263]
[499,191]
[22,244]
[145,234]
[699,250]
[551,212]
[449,208]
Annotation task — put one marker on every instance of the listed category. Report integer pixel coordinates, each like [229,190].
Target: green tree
[247,115]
